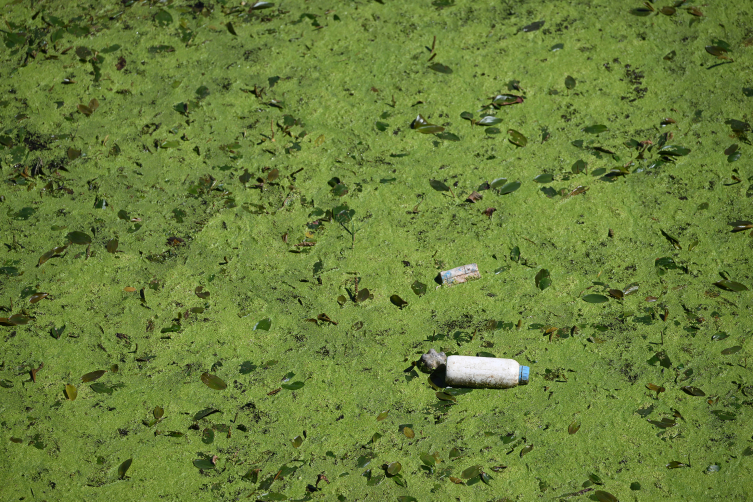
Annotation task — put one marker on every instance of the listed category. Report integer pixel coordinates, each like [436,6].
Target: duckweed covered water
[223,228]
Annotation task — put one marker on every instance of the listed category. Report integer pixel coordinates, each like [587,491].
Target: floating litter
[460,274]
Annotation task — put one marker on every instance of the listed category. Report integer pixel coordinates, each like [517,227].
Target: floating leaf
[409,433]
[297,441]
[264,324]
[674,150]
[382,416]
[397,301]
[439,186]
[731,285]
[419,288]
[94,375]
[734,157]
[406,498]
[78,238]
[544,178]
[573,427]
[363,295]
[448,136]
[731,350]
[112,246]
[207,436]
[569,82]
[517,138]
[717,51]
[204,463]
[71,392]
[205,413]
[428,459]
[123,468]
[293,385]
[498,183]
[603,496]
[393,468]
[673,240]
[471,472]
[526,449]
[158,412]
[595,129]
[509,188]
[440,68]
[594,298]
[213,382]
[693,391]
[542,279]
[533,26]
[489,120]
[506,99]
[724,415]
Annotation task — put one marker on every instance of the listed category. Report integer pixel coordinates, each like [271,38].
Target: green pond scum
[223,223]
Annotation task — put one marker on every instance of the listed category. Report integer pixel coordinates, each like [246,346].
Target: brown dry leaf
[474,197]
[129,289]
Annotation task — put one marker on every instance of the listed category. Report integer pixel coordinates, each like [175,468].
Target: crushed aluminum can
[460,274]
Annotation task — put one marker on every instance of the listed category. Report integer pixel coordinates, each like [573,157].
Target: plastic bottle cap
[524,370]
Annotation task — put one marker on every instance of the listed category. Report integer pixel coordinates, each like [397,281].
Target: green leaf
[207,436]
[734,157]
[94,375]
[515,254]
[509,188]
[448,136]
[203,463]
[569,82]
[544,178]
[202,92]
[489,120]
[264,324]
[101,388]
[595,129]
[293,385]
[428,459]
[543,280]
[578,167]
[724,415]
[418,288]
[471,472]
[393,468]
[123,468]
[498,182]
[163,18]
[439,186]
[440,68]
[731,285]
[593,298]
[603,496]
[517,138]
[78,238]
[732,350]
[213,382]
[397,301]
[674,150]
[429,129]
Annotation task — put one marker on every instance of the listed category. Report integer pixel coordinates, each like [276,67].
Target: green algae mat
[223,225]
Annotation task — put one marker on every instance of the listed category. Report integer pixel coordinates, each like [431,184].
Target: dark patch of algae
[168,164]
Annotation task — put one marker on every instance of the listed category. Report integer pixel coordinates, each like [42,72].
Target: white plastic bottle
[485,372]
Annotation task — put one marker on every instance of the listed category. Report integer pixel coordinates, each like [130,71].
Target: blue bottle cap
[524,370]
